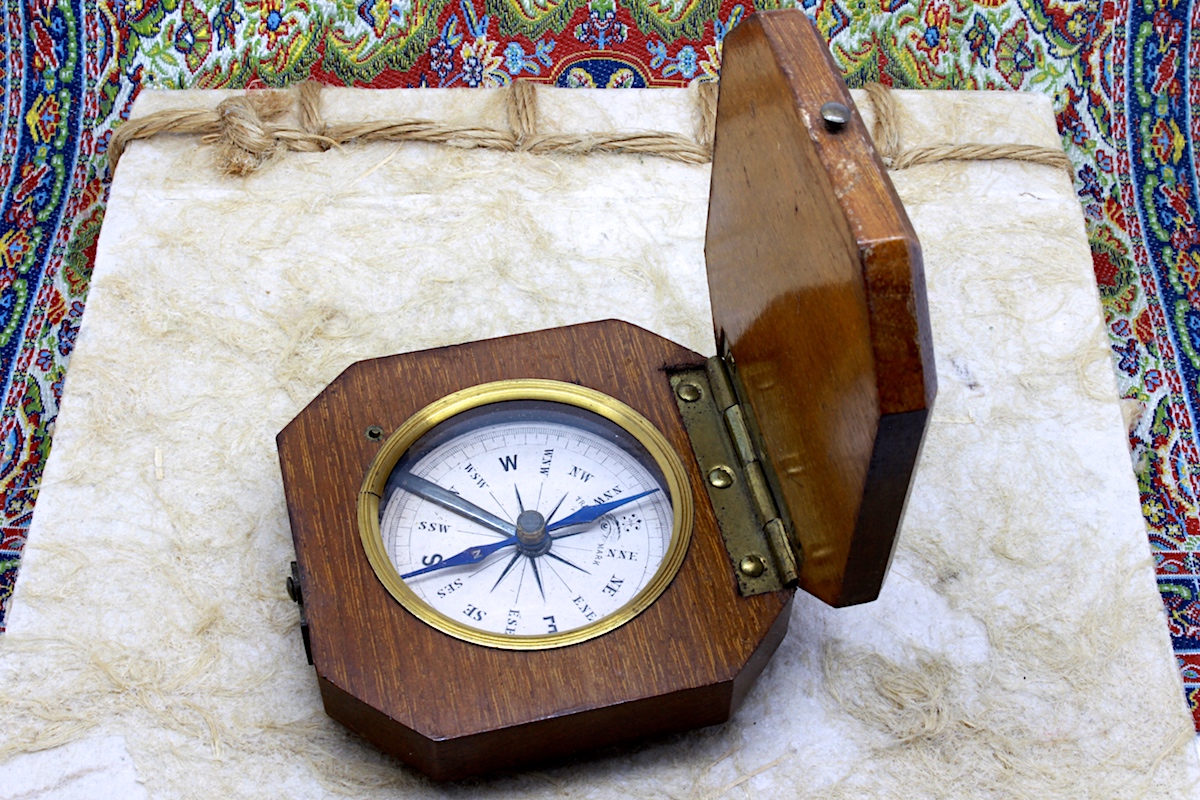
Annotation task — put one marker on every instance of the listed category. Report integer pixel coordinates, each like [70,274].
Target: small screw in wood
[835,115]
[752,566]
[720,477]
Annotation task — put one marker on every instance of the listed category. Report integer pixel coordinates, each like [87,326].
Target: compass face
[539,515]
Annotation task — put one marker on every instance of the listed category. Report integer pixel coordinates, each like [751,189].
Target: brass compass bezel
[603,405]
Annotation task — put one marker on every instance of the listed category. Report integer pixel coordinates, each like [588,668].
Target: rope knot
[245,136]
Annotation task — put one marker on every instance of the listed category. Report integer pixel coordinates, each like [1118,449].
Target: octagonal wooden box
[820,319]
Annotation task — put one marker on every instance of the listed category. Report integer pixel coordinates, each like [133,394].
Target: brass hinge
[765,556]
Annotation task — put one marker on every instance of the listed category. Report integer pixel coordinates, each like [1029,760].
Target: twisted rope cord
[246,136]
[522,110]
[706,113]
[896,156]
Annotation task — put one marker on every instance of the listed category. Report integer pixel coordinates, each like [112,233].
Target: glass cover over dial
[533,522]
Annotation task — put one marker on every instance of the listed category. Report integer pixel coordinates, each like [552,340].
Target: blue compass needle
[593,513]
[472,555]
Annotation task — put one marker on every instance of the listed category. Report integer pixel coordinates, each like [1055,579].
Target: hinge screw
[689,392]
[835,115]
[752,566]
[720,477]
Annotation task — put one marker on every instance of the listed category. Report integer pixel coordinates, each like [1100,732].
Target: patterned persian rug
[1126,88]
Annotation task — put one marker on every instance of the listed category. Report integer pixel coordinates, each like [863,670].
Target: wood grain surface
[818,295]
[453,708]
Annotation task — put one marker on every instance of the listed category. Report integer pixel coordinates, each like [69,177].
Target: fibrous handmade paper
[1018,648]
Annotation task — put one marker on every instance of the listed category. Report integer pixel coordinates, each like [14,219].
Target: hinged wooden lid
[818,297]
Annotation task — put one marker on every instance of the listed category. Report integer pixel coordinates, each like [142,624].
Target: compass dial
[535,521]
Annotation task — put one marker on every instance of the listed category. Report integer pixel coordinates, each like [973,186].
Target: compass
[537,514]
[516,550]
